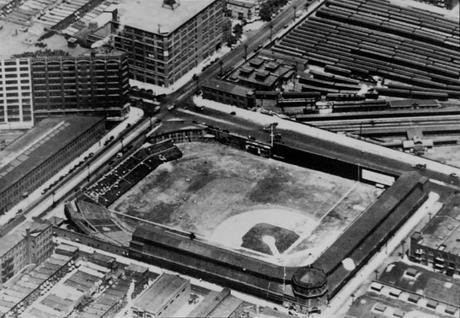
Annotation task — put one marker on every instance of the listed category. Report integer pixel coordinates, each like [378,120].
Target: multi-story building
[81,85]
[243,9]
[37,155]
[16,104]
[166,39]
[228,93]
[30,243]
[437,244]
[37,87]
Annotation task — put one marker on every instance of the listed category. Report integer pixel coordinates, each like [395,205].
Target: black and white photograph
[229,158]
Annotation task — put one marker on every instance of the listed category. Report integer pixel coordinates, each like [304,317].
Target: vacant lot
[213,184]
[445,154]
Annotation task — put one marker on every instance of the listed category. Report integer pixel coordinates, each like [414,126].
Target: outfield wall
[188,255]
[333,165]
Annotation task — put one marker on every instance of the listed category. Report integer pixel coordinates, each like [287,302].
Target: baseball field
[273,210]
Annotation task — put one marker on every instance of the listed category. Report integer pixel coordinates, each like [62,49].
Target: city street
[36,202]
[236,56]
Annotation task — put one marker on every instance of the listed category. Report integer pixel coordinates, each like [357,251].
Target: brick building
[30,243]
[228,93]
[243,9]
[438,243]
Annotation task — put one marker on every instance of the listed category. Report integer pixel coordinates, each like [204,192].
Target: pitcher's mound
[248,229]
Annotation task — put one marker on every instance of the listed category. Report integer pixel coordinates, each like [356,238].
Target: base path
[232,230]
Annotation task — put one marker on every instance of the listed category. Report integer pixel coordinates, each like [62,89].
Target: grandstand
[415,52]
[197,257]
[96,221]
[129,172]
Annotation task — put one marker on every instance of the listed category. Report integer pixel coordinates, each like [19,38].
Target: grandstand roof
[39,144]
[310,277]
[149,233]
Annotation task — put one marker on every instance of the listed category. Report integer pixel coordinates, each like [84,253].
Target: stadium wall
[336,166]
[219,265]
[89,241]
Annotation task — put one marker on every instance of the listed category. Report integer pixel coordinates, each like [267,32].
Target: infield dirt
[212,183]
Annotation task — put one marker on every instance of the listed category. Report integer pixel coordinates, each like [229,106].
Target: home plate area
[270,233]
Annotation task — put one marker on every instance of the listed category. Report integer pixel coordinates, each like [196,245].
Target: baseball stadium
[218,206]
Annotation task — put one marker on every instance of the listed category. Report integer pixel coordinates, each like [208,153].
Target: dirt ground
[445,154]
[213,182]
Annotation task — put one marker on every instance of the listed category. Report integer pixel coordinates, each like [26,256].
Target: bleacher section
[362,39]
[124,176]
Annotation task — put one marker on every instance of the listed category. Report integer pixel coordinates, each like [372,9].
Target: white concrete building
[16,104]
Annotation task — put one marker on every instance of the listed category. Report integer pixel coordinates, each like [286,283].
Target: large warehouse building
[36,156]
[166,39]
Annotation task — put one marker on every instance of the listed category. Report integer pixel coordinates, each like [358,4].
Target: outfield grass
[212,183]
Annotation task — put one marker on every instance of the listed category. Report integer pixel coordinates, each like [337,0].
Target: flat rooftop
[379,306]
[152,16]
[228,87]
[443,231]
[159,293]
[12,238]
[417,280]
[38,144]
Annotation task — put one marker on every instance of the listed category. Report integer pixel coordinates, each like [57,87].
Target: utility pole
[272,133]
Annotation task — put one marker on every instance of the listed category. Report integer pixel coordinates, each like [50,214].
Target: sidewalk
[134,116]
[365,147]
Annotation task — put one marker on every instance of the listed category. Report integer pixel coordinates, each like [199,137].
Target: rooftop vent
[172,4]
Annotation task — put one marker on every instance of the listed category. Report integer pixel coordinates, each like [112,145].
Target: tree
[232,40]
[227,31]
[238,30]
[266,11]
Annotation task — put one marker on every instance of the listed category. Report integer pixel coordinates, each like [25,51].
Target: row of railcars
[368,40]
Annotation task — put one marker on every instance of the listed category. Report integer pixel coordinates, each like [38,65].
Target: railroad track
[392,125]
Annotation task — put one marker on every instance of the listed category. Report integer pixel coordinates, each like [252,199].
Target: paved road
[294,134]
[36,203]
[237,55]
